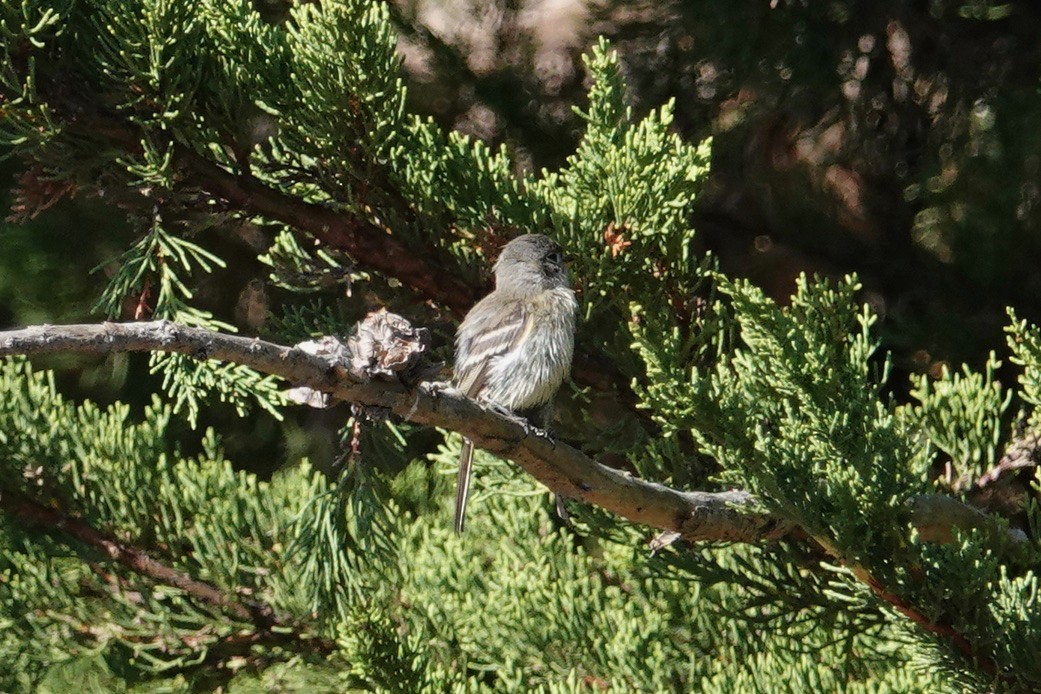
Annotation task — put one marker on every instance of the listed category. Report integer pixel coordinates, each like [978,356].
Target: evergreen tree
[133,558]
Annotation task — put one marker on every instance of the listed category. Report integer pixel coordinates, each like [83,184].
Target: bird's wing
[492,337]
[481,343]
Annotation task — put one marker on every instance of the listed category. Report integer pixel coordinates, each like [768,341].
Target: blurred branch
[367,243]
[269,627]
[732,516]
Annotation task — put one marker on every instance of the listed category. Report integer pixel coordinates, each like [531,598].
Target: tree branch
[269,627]
[367,243]
[731,516]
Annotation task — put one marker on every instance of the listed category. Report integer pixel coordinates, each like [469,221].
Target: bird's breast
[529,376]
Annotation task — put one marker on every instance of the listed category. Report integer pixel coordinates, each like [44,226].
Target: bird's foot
[510,415]
[435,388]
[545,434]
[529,428]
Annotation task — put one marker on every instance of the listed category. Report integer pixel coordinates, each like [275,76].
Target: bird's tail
[462,487]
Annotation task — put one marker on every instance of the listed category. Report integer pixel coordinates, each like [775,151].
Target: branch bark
[730,516]
[697,516]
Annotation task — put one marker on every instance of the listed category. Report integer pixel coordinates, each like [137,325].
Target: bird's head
[529,263]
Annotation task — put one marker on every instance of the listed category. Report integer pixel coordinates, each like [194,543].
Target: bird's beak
[569,258]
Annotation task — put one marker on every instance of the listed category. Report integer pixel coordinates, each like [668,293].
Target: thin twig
[269,626]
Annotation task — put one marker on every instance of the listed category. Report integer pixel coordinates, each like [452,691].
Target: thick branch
[698,516]
[733,516]
[938,517]
[367,243]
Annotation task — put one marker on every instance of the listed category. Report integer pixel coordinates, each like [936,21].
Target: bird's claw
[435,388]
[512,416]
[529,428]
[545,434]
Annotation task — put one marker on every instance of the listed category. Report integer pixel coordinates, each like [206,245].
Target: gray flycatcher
[513,349]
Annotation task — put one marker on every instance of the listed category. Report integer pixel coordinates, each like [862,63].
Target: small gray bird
[514,347]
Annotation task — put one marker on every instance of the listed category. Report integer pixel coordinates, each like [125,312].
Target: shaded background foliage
[894,139]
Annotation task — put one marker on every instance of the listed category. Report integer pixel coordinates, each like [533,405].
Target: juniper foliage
[352,577]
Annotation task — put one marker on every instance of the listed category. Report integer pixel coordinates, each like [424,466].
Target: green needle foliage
[350,577]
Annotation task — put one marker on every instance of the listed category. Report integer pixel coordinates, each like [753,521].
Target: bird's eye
[555,258]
